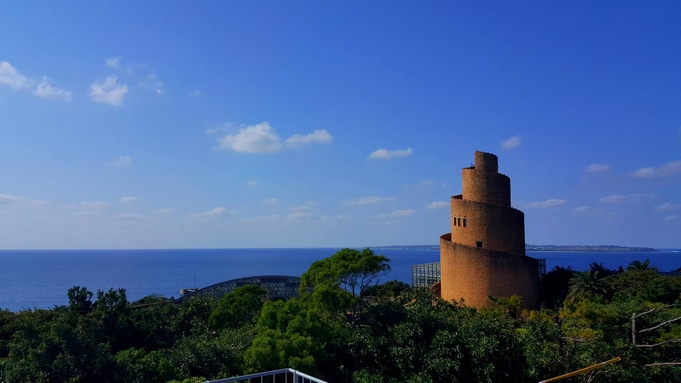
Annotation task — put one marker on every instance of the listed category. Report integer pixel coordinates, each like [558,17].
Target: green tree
[340,281]
[239,307]
[641,266]
[585,283]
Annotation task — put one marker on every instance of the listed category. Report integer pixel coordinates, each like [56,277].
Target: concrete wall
[475,273]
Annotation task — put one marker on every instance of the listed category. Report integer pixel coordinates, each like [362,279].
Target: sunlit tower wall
[484,255]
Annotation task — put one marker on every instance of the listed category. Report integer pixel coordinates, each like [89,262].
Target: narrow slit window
[459,221]
[464,221]
[479,243]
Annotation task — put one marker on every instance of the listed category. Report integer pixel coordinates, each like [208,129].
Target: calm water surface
[41,279]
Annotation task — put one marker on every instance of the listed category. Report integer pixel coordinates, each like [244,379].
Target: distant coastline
[553,248]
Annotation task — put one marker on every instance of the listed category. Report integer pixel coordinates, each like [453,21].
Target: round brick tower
[484,255]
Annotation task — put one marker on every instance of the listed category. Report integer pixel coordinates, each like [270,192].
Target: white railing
[277,376]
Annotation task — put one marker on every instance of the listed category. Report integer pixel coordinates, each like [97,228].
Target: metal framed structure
[277,286]
[285,375]
[425,275]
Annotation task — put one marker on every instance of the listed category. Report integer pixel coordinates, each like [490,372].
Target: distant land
[571,248]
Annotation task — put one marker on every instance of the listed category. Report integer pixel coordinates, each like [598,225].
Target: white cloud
[165,210]
[586,210]
[85,214]
[318,136]
[305,207]
[114,62]
[94,205]
[618,198]
[299,215]
[446,186]
[334,218]
[667,207]
[271,201]
[385,154]
[251,183]
[549,203]
[8,199]
[671,218]
[261,138]
[108,91]
[669,169]
[597,168]
[127,200]
[213,212]
[44,89]
[367,200]
[399,214]
[131,217]
[153,83]
[37,203]
[195,93]
[511,143]
[120,161]
[267,218]
[11,77]
[438,205]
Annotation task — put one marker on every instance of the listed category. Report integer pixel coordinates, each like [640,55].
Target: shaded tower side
[484,255]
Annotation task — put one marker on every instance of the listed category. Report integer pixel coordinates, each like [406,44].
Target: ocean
[40,279]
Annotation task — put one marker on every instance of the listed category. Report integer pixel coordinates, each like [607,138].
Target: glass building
[425,275]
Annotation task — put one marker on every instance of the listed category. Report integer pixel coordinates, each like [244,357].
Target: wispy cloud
[108,91]
[299,215]
[266,218]
[629,198]
[120,161]
[127,200]
[151,82]
[11,77]
[669,169]
[437,205]
[261,138]
[94,205]
[114,62]
[195,93]
[549,203]
[399,214]
[511,143]
[213,212]
[385,154]
[85,214]
[8,199]
[670,218]
[586,210]
[318,136]
[368,200]
[270,201]
[335,218]
[165,210]
[667,207]
[597,168]
[308,205]
[251,183]
[45,89]
[131,217]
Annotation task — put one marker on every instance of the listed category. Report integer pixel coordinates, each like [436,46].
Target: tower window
[459,221]
[479,243]
[464,221]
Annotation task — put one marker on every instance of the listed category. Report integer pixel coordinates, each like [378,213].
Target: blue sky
[312,124]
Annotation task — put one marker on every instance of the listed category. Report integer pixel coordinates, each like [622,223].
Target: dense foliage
[346,328]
